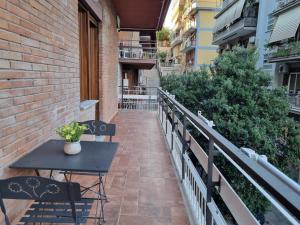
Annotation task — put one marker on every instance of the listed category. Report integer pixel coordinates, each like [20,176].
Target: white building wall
[263,33]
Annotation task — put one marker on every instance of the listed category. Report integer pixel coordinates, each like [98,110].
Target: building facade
[245,23]
[273,27]
[191,40]
[284,49]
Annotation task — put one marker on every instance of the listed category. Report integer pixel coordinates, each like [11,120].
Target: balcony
[244,27]
[141,54]
[189,28]
[294,100]
[176,39]
[193,166]
[289,52]
[284,5]
[193,7]
[188,45]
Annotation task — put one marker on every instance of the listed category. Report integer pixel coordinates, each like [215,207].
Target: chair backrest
[100,128]
[40,189]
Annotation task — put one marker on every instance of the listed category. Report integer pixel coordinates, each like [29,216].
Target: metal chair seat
[54,201]
[59,213]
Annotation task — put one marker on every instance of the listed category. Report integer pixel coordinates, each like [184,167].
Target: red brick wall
[109,63]
[39,73]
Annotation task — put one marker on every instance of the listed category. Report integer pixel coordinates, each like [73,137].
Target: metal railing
[199,183]
[189,27]
[283,3]
[294,100]
[286,50]
[138,43]
[136,54]
[188,44]
[138,98]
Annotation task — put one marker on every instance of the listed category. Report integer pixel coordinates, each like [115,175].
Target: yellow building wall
[206,38]
[176,51]
[206,56]
[210,3]
[207,19]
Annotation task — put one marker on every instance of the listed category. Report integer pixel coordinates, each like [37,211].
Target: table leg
[37,172]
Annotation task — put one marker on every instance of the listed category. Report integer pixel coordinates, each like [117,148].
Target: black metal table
[95,157]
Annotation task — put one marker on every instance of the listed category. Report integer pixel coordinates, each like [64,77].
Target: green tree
[163,34]
[238,98]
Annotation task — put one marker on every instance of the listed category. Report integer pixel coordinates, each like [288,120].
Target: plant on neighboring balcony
[162,56]
[237,97]
[163,35]
[282,52]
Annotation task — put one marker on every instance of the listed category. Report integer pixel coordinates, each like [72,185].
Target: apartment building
[284,49]
[245,23]
[138,58]
[191,40]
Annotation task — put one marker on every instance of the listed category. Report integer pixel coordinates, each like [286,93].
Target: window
[89,62]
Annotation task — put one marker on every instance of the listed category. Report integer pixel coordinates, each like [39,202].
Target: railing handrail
[277,185]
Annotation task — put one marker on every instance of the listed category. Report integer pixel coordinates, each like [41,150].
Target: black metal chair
[100,128]
[54,202]
[97,128]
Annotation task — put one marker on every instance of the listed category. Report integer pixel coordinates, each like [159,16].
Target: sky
[168,21]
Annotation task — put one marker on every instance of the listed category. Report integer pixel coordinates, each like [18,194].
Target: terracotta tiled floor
[142,186]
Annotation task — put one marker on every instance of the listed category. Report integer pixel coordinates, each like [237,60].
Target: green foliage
[237,97]
[71,132]
[163,34]
[162,55]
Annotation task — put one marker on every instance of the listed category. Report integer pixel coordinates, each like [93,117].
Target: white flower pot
[72,148]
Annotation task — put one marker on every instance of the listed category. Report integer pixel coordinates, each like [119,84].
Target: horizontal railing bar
[272,183]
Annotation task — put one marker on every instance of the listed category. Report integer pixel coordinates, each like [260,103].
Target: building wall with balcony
[194,29]
[284,50]
[206,52]
[40,78]
[251,26]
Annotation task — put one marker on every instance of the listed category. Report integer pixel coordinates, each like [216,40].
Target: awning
[141,15]
[286,25]
[228,16]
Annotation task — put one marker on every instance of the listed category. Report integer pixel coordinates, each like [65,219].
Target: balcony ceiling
[141,15]
[146,64]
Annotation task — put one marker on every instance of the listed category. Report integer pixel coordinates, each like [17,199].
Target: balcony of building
[287,52]
[235,22]
[140,53]
[188,45]
[176,38]
[294,100]
[167,146]
[189,27]
[193,6]
[285,5]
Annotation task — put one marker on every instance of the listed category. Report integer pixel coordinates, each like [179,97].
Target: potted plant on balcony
[163,37]
[71,133]
[162,56]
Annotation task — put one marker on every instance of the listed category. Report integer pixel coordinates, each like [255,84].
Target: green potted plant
[71,133]
[162,56]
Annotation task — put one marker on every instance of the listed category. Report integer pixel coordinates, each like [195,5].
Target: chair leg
[102,184]
[101,198]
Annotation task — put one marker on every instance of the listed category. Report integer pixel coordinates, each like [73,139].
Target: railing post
[209,180]
[122,93]
[184,147]
[173,126]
